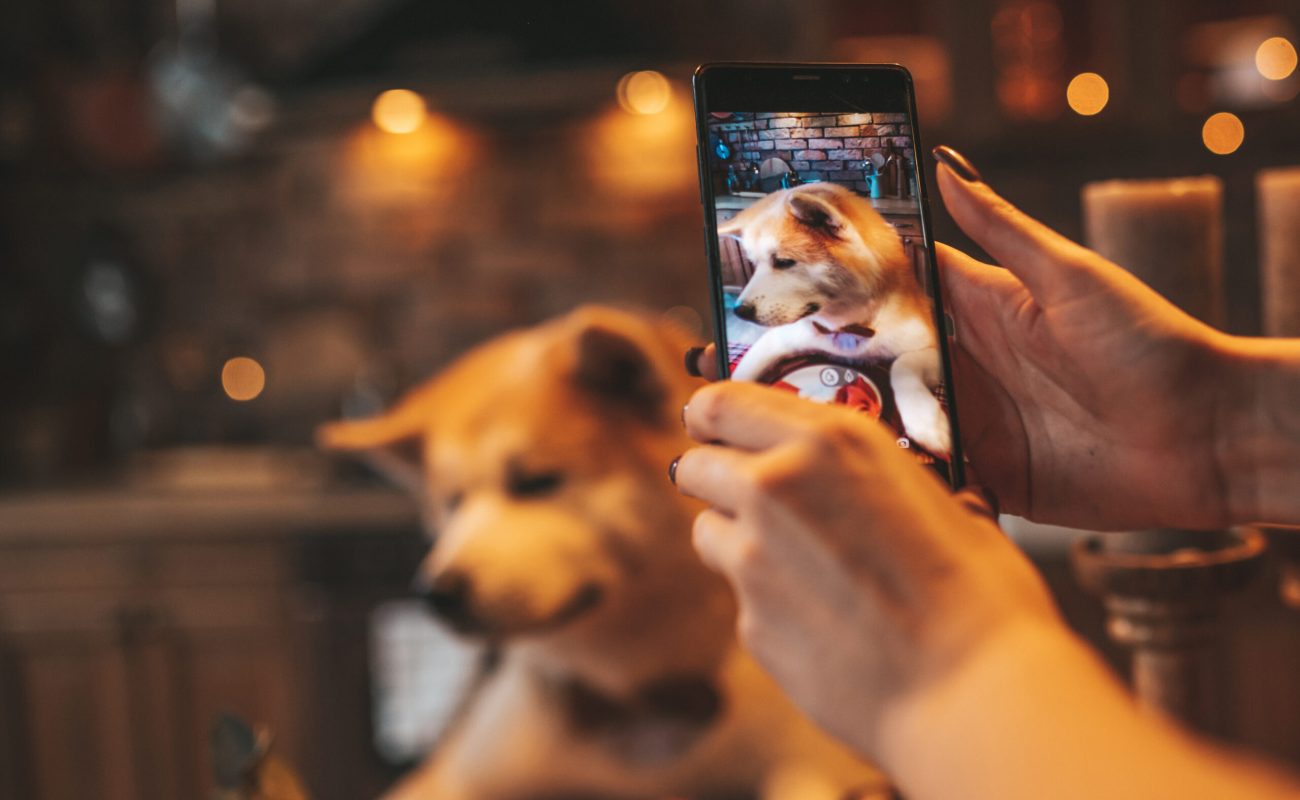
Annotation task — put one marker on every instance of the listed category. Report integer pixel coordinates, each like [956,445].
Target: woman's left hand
[861,578]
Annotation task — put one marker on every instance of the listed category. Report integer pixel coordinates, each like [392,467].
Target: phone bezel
[765,86]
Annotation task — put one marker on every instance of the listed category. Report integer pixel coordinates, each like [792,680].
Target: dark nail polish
[693,361]
[672,470]
[957,163]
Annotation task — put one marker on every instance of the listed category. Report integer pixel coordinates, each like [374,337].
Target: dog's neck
[658,720]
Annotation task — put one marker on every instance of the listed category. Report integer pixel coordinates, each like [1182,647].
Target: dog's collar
[854,328]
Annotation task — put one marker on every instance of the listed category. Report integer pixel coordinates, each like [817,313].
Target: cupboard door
[71,727]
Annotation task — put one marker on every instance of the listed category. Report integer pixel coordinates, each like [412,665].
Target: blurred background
[223,222]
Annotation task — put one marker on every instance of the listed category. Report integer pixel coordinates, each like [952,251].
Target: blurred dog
[831,276]
[540,462]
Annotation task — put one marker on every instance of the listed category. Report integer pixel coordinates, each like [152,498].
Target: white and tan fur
[540,462]
[824,261]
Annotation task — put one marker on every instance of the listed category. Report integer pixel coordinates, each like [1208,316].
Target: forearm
[1259,435]
[1034,714]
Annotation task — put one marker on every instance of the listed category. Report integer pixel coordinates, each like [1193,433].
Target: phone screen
[823,277]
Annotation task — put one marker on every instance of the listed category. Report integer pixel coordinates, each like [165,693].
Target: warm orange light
[242,378]
[644,92]
[1223,133]
[398,111]
[644,155]
[1087,93]
[1275,58]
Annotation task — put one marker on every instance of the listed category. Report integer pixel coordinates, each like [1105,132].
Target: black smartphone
[820,251]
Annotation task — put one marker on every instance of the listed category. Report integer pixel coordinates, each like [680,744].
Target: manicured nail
[688,405]
[672,470]
[957,163]
[693,361]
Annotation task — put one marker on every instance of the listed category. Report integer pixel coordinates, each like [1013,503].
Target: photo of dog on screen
[824,270]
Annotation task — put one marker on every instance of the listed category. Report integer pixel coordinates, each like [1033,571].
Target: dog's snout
[746,311]
[451,597]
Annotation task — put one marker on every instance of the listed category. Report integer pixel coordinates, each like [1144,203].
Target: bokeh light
[644,155]
[1275,58]
[1223,133]
[1087,93]
[644,92]
[685,318]
[398,111]
[242,378]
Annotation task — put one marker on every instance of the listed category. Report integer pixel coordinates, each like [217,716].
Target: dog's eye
[782,263]
[535,484]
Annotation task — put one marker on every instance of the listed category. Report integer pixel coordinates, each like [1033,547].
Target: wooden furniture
[128,621]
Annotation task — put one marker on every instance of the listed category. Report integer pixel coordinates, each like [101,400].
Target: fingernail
[688,405]
[693,362]
[957,163]
[672,470]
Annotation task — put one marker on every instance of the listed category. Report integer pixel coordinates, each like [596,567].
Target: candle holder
[1169,233]
[1278,195]
[1163,592]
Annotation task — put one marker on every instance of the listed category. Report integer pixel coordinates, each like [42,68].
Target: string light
[1275,58]
[1087,94]
[242,378]
[644,92]
[1223,133]
[398,111]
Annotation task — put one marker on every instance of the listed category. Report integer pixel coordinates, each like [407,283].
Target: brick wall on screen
[829,146]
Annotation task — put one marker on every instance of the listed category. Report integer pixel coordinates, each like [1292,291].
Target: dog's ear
[815,211]
[392,443]
[612,366]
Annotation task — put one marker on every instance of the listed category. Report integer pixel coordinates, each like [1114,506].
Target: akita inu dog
[830,276]
[540,462]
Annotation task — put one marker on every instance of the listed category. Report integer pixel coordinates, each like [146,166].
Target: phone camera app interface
[824,269]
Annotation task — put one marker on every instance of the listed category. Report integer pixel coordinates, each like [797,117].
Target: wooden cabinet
[123,635]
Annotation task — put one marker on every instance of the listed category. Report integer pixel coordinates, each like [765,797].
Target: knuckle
[833,434]
[749,558]
[705,408]
[776,477]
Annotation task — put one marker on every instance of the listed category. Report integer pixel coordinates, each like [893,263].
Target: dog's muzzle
[451,597]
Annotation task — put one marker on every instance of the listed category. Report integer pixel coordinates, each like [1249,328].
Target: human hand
[861,578]
[1084,397]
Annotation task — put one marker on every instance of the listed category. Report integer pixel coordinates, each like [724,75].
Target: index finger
[749,415]
[1043,259]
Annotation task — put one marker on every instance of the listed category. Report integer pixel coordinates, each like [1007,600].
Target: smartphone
[820,253]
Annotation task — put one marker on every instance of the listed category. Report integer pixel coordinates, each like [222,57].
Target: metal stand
[1163,591]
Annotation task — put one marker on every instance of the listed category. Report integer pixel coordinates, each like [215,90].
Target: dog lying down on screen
[540,462]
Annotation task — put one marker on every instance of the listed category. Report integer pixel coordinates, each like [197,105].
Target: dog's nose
[450,597]
[746,311]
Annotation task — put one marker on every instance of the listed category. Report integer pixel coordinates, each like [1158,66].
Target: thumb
[1047,263]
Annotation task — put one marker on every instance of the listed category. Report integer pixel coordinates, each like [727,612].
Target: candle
[1169,233]
[1278,191]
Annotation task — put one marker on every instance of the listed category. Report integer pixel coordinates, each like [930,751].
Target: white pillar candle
[1169,233]
[1278,191]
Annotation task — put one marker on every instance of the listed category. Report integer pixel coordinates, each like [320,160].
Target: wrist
[1257,442]
[991,698]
